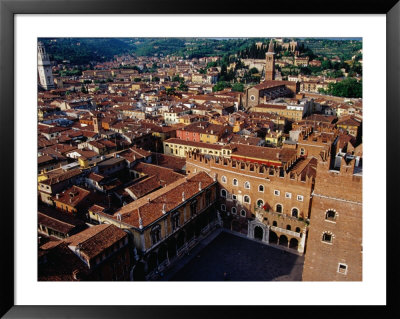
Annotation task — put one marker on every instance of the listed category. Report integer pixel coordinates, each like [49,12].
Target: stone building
[269,90]
[165,224]
[44,68]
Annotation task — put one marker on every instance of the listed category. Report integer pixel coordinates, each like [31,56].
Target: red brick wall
[341,192]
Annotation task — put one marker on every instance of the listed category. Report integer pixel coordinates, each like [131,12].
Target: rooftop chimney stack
[199,186]
[183,196]
[163,209]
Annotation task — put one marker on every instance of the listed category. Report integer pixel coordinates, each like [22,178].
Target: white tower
[44,68]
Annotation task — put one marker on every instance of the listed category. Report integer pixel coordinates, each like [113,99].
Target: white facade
[44,68]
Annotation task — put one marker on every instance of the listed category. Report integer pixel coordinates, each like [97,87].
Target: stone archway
[258,233]
[283,240]
[273,237]
[294,243]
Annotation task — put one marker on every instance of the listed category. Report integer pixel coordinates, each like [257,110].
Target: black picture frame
[9,8]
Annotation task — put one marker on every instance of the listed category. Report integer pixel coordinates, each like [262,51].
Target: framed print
[220,152]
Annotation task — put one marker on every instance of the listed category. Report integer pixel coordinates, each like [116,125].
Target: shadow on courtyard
[232,258]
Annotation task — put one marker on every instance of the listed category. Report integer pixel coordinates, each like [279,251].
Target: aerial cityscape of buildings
[145,156]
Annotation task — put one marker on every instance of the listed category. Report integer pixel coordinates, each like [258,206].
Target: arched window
[175,220]
[274,223]
[261,188]
[288,227]
[243,213]
[247,185]
[223,193]
[235,182]
[246,199]
[279,208]
[260,203]
[155,234]
[295,212]
[233,210]
[193,207]
[223,179]
[330,215]
[223,207]
[327,237]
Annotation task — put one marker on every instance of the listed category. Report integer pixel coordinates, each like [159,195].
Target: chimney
[163,209]
[183,196]
[58,196]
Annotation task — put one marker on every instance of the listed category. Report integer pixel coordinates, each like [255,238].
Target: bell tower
[44,68]
[270,63]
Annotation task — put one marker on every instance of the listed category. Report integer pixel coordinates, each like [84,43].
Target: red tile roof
[150,207]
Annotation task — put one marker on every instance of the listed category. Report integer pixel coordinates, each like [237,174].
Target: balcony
[270,214]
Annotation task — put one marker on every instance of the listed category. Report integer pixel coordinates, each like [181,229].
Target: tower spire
[271,47]
[44,68]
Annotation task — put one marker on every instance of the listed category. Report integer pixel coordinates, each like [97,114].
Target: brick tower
[334,245]
[270,63]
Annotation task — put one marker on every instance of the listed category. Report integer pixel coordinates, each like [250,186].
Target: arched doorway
[273,238]
[258,233]
[283,241]
[294,243]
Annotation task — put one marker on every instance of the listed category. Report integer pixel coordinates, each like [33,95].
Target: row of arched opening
[275,239]
[169,249]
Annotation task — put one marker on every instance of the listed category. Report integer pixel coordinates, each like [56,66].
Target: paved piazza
[240,259]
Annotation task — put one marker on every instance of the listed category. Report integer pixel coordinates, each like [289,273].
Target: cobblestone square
[230,257]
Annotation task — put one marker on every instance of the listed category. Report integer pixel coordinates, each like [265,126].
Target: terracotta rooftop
[145,186]
[163,174]
[62,176]
[194,144]
[72,196]
[94,240]
[150,207]
[265,153]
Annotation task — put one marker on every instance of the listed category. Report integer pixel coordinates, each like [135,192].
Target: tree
[253,70]
[346,88]
[176,78]
[220,85]
[170,91]
[84,89]
[238,87]
[183,87]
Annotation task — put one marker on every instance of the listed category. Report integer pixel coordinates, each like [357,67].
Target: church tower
[270,63]
[44,68]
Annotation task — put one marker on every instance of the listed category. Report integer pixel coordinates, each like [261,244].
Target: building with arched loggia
[167,223]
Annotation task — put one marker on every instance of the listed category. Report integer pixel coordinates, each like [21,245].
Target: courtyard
[230,257]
